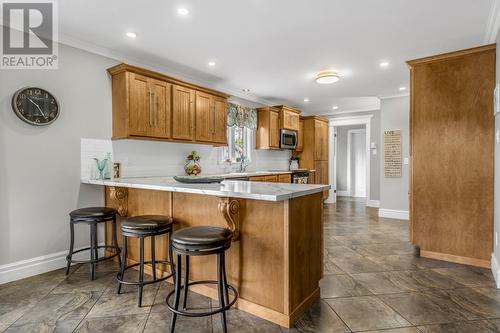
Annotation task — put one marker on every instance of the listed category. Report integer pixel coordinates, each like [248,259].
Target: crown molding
[493,24]
[125,58]
[394,96]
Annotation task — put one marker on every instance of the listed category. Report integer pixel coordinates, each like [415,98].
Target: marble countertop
[255,173]
[228,188]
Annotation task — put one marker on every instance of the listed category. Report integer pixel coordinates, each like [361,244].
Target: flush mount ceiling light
[306,100]
[327,77]
[211,63]
[384,64]
[182,11]
[131,34]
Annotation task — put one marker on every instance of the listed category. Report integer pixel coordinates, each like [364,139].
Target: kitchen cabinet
[268,128]
[210,119]
[314,154]
[148,104]
[285,178]
[258,179]
[272,178]
[300,136]
[289,117]
[451,168]
[183,113]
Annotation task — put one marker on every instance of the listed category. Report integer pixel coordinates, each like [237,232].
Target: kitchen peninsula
[276,258]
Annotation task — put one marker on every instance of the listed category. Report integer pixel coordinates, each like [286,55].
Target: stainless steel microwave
[288,139]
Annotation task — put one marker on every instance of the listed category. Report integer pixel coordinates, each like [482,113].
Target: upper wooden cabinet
[268,128]
[183,113]
[320,140]
[300,136]
[147,104]
[211,119]
[289,117]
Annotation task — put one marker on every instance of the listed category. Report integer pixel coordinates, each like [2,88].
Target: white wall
[40,166]
[394,115]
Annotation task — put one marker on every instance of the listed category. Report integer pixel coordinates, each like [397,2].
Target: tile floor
[372,283]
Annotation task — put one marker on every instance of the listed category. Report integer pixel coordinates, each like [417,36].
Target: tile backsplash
[141,158]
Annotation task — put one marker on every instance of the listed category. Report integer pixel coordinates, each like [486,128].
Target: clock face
[35,106]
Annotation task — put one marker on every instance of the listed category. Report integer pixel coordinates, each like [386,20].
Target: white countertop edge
[185,188]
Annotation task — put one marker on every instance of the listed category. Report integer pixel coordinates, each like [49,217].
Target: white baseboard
[373,203]
[34,266]
[495,270]
[343,194]
[393,214]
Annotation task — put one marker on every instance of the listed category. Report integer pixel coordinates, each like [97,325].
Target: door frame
[350,190]
[332,157]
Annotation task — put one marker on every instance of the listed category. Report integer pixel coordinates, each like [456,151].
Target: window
[239,143]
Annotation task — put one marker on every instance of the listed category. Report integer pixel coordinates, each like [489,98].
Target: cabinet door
[182,113]
[140,113]
[289,120]
[321,168]
[220,120]
[160,108]
[258,179]
[320,141]
[274,129]
[285,178]
[204,117]
[271,179]
[300,136]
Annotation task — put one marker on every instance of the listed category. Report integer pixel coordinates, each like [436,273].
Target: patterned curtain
[241,116]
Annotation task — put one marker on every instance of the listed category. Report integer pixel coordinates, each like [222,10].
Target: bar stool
[201,241]
[92,216]
[141,227]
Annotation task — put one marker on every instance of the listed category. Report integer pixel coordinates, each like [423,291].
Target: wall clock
[35,106]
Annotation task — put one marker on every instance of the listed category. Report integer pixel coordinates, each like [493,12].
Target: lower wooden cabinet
[281,178]
[285,178]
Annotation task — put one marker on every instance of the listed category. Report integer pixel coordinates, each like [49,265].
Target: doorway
[356,163]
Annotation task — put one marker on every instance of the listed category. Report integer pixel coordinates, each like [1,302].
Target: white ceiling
[275,47]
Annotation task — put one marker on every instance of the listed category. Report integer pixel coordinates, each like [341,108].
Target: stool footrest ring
[119,276]
[202,314]
[118,251]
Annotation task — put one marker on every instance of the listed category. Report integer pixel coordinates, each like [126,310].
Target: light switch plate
[405,161]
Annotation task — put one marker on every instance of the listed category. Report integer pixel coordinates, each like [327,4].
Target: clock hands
[38,107]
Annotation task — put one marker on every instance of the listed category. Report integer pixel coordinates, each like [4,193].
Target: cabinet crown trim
[449,55]
[123,67]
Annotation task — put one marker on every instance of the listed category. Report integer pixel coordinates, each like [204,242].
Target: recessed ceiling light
[335,107]
[131,34]
[402,88]
[246,90]
[182,11]
[327,77]
[306,100]
[211,63]
[384,64]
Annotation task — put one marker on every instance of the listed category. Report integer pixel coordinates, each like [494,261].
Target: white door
[358,164]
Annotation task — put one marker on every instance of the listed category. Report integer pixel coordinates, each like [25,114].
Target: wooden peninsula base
[276,258]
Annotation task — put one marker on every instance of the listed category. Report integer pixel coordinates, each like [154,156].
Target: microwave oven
[288,139]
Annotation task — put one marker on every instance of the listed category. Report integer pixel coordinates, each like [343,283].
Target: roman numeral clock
[35,106]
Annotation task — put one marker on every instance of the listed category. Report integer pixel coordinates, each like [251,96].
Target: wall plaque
[392,153]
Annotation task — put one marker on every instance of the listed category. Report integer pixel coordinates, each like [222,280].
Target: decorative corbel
[230,210]
[120,197]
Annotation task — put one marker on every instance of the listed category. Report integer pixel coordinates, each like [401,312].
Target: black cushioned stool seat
[201,241]
[92,216]
[140,227]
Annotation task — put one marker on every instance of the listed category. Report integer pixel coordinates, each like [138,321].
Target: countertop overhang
[228,188]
